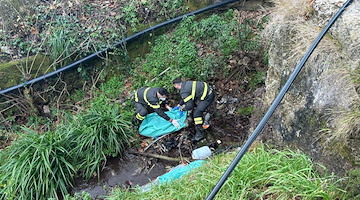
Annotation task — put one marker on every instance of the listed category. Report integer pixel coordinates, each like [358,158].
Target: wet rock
[227,99]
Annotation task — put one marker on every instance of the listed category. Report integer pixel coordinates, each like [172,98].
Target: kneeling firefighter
[195,93]
[150,99]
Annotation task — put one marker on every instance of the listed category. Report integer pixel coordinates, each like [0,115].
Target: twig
[157,156]
[153,142]
[167,69]
[150,169]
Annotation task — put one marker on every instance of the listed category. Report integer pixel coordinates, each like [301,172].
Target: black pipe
[273,106]
[124,41]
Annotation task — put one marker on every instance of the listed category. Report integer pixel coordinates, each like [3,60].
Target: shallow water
[123,172]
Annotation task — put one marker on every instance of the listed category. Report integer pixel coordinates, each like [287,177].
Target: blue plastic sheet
[154,126]
[175,173]
[179,171]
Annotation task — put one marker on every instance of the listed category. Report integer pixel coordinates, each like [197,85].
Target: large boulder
[320,112]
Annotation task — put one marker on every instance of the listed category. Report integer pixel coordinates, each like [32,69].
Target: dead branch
[159,156]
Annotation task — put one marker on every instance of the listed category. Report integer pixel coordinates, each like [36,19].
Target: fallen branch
[153,142]
[159,156]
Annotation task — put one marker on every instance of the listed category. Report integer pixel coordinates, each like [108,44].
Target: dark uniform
[196,92]
[146,101]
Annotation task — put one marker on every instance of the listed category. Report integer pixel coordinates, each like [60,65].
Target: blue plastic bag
[154,126]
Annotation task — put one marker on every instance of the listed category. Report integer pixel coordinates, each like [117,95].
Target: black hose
[273,106]
[124,41]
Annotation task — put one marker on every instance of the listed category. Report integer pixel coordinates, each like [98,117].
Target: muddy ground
[228,129]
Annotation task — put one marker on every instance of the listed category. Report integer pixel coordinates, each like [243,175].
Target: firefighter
[150,99]
[195,93]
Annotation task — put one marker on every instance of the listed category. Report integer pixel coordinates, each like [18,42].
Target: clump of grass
[348,122]
[246,111]
[262,174]
[99,132]
[37,166]
[41,166]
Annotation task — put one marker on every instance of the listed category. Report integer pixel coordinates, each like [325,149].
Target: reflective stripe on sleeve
[136,97]
[139,117]
[198,120]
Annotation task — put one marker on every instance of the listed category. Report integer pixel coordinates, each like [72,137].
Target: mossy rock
[17,72]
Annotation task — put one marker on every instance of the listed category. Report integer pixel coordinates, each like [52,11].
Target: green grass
[261,174]
[194,49]
[37,166]
[246,111]
[41,166]
[99,132]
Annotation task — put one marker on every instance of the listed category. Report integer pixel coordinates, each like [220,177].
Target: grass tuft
[99,132]
[37,166]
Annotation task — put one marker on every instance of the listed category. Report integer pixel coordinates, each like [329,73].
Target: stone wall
[314,112]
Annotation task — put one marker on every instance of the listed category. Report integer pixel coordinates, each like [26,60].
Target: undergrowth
[196,49]
[261,174]
[100,127]
[43,165]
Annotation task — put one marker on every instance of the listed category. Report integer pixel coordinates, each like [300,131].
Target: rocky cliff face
[320,112]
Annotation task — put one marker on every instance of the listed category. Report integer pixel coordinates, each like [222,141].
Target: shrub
[37,166]
[99,132]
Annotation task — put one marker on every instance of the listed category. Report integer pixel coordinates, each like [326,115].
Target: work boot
[206,123]
[199,134]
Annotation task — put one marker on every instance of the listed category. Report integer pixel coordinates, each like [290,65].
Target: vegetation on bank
[64,28]
[42,163]
[40,166]
[77,142]
[262,174]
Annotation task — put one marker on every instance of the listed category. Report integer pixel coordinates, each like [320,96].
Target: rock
[345,29]
[322,89]
[228,99]
[7,50]
[46,109]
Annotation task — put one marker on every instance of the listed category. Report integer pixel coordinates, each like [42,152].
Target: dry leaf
[34,31]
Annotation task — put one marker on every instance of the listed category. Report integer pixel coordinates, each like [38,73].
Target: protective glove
[168,107]
[182,107]
[176,108]
[181,113]
[175,123]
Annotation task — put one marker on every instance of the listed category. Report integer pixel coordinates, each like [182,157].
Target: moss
[353,186]
[342,148]
[12,73]
[245,111]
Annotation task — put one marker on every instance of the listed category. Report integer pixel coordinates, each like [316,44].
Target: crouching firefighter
[195,93]
[150,99]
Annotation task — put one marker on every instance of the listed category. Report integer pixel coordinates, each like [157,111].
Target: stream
[125,172]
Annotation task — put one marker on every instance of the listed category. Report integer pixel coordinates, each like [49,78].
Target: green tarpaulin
[155,126]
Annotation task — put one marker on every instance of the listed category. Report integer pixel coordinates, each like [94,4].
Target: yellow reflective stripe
[145,99]
[193,90]
[136,97]
[198,120]
[204,92]
[154,106]
[138,116]
[187,98]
